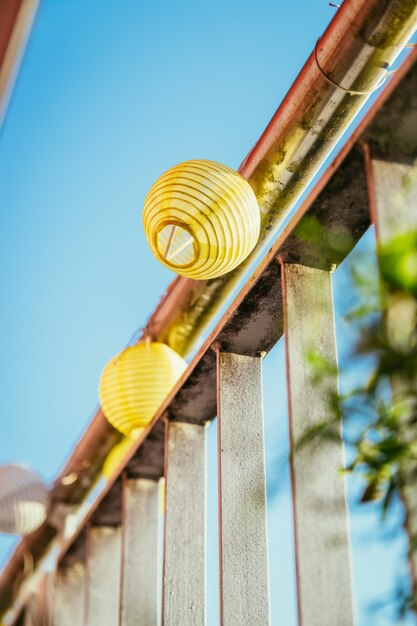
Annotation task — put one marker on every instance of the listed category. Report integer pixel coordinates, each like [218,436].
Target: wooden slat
[393,195]
[69,596]
[45,600]
[19,619]
[38,605]
[31,611]
[140,552]
[319,498]
[393,189]
[185,525]
[103,576]
[244,587]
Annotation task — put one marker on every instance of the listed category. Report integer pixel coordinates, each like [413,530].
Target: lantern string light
[201,219]
[118,453]
[136,381]
[23,500]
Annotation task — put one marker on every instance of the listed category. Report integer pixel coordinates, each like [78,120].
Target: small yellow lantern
[23,500]
[201,219]
[117,454]
[136,381]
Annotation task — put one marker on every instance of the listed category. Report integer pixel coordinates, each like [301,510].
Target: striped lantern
[116,456]
[201,219]
[135,382]
[23,500]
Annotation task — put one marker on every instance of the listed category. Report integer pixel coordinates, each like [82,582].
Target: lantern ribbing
[23,500]
[136,381]
[201,219]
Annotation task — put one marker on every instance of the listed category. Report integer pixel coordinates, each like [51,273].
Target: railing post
[103,575]
[140,552]
[393,198]
[185,525]
[37,610]
[31,613]
[20,618]
[68,602]
[319,493]
[244,584]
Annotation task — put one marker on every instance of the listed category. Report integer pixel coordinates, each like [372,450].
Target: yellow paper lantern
[136,381]
[23,500]
[201,219]
[116,455]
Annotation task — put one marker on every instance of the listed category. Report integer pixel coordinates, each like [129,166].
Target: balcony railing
[107,571]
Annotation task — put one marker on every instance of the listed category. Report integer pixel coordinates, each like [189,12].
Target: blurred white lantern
[23,500]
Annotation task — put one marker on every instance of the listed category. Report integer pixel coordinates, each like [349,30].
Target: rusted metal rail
[355,52]
[16,18]
[338,210]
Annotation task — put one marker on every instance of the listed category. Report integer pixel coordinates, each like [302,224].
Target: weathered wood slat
[69,596]
[103,576]
[185,525]
[140,552]
[319,498]
[244,586]
[393,195]
[31,612]
[393,189]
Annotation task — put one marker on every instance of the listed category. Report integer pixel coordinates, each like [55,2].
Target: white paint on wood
[394,193]
[69,596]
[103,576]
[185,526]
[244,587]
[319,492]
[31,611]
[140,552]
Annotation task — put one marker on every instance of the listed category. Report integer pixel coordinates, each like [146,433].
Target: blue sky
[109,95]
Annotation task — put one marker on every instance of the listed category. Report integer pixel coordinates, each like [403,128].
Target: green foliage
[398,264]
